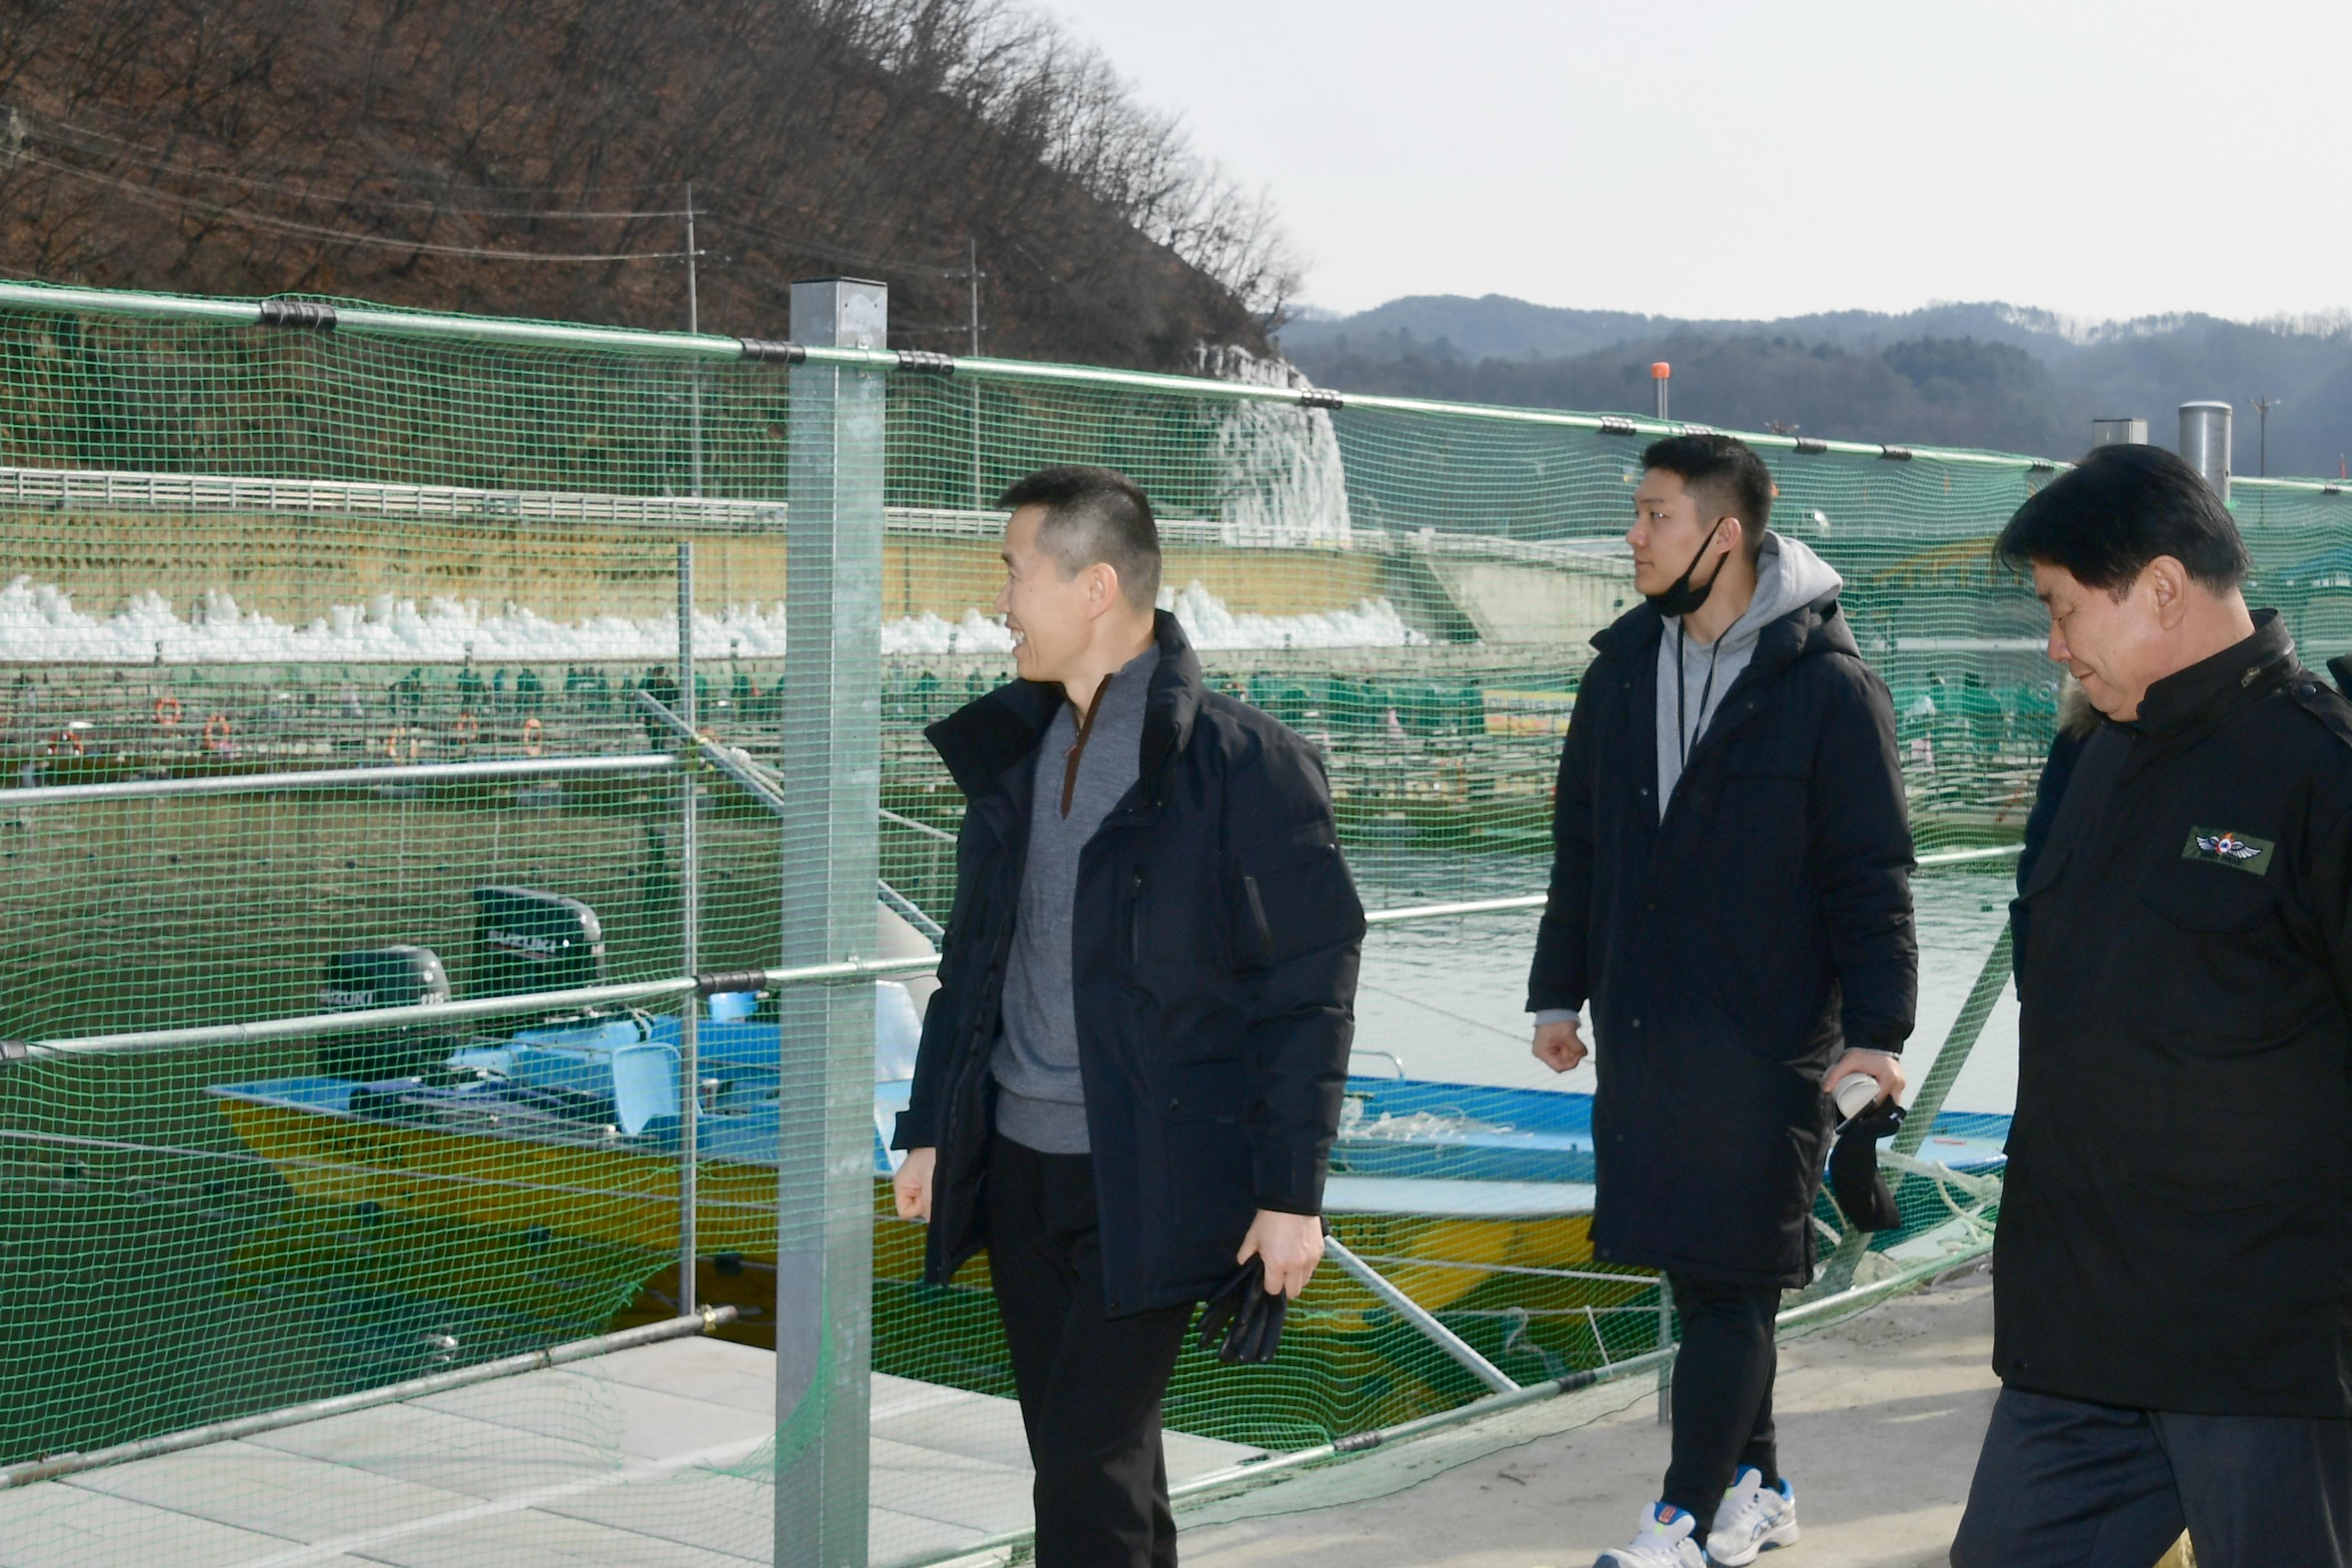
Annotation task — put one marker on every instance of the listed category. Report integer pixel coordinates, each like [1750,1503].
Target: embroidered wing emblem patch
[2226,847]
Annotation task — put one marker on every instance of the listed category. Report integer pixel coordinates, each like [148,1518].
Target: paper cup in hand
[1854,1094]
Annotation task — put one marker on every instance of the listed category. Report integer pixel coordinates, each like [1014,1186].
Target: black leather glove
[1242,1321]
[1859,1191]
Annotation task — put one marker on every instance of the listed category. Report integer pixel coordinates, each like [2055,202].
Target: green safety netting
[410,547]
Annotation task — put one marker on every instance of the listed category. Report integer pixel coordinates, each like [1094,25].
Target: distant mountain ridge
[1978,374]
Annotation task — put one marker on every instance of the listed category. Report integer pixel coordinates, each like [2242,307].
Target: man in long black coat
[1730,892]
[2173,1270]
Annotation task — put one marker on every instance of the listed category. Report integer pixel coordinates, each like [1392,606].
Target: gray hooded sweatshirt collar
[1693,676]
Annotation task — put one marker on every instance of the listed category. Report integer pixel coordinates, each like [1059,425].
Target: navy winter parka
[1217,932]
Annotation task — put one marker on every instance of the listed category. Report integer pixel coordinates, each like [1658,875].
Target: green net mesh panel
[237,552]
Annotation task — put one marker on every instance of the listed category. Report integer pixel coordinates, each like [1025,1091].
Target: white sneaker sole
[1772,1539]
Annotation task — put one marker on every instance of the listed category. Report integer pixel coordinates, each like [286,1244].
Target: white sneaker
[1664,1542]
[1753,1520]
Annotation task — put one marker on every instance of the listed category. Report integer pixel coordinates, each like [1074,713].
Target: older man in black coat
[2173,1271]
[1731,890]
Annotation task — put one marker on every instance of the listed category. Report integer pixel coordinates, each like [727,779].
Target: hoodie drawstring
[1685,734]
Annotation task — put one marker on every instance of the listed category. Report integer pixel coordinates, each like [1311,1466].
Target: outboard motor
[370,977]
[526,939]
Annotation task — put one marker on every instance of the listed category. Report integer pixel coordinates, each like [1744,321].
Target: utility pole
[971,275]
[2263,407]
[693,325]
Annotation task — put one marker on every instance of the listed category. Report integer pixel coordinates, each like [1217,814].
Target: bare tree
[528,156]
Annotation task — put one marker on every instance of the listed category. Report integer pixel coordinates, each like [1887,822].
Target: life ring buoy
[534,737]
[66,739]
[167,712]
[468,730]
[216,732]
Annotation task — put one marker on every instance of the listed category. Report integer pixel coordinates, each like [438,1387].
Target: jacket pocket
[1139,939]
[2216,966]
[1205,1092]
[2207,898]
[1253,936]
[1293,896]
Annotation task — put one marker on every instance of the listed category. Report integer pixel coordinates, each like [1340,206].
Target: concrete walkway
[649,1458]
[1879,1422]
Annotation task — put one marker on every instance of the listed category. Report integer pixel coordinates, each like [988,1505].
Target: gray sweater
[1041,1100]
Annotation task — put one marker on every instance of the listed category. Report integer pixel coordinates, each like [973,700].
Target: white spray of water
[1278,464]
[38,623]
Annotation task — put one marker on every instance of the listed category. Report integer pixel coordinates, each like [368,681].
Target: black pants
[1723,1392]
[2094,1486]
[1090,1386]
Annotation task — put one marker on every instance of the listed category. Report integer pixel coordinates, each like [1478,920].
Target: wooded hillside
[531,157]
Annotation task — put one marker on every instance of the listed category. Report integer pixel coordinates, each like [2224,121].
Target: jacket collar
[983,740]
[2212,688]
[1818,626]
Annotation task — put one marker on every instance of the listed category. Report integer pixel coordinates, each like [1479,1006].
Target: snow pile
[38,623]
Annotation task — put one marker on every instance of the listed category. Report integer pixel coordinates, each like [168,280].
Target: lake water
[1446,997]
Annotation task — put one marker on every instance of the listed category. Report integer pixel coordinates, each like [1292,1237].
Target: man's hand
[1888,1071]
[1291,1244]
[913,1184]
[1558,1046]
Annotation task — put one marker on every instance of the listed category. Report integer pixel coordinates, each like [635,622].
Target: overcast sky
[1714,159]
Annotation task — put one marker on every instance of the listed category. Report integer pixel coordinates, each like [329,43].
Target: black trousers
[2063,1484]
[1723,1392]
[1090,1385]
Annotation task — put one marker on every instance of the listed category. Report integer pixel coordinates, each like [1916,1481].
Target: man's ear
[2167,581]
[1102,588]
[1733,538]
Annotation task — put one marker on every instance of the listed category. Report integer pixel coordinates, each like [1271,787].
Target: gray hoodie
[1789,576]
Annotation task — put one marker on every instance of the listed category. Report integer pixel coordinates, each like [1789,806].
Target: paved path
[1879,1419]
[651,1457]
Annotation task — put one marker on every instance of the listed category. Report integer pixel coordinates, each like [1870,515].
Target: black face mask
[1678,598]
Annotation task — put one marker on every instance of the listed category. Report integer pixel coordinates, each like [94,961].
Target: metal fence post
[689,940]
[832,761]
[1665,1338]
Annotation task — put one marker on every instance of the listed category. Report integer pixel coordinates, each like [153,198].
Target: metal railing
[760,783]
[704,348]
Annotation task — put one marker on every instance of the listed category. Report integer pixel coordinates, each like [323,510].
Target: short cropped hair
[1095,515]
[2118,510]
[1726,474]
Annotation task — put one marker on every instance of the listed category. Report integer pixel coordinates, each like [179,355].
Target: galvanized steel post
[2205,442]
[832,763]
[2118,432]
[689,940]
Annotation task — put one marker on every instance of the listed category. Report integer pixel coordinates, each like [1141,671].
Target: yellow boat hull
[624,1197]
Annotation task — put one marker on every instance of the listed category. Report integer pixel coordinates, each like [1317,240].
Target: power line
[146,158]
[136,155]
[344,237]
[323,171]
[824,249]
